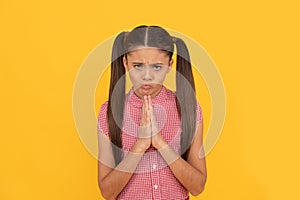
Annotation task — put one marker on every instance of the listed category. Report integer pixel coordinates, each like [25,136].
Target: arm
[191,173]
[112,179]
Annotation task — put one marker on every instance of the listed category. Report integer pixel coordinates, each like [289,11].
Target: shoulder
[102,118]
[103,110]
[199,117]
[103,107]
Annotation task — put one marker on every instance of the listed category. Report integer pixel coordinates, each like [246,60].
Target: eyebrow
[140,63]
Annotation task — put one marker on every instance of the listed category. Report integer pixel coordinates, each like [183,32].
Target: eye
[157,67]
[138,67]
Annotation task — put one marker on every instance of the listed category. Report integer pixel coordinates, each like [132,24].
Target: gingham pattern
[152,179]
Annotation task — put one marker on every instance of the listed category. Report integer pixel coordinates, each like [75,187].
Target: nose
[147,76]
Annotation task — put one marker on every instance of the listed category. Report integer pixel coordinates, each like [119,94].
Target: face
[147,69]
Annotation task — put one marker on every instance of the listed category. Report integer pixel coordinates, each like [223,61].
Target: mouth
[146,87]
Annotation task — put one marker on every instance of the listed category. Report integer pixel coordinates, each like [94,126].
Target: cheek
[160,77]
[133,76]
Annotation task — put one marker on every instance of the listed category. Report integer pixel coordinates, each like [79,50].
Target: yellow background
[255,45]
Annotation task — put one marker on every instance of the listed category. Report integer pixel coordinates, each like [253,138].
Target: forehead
[148,54]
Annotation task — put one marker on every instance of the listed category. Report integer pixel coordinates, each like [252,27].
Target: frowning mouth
[146,87]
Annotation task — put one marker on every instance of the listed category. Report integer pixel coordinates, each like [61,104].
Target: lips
[146,87]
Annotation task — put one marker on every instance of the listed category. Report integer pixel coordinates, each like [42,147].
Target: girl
[150,139]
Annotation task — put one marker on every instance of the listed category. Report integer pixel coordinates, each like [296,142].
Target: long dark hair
[152,36]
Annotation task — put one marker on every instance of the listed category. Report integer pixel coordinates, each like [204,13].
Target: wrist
[158,142]
[168,154]
[140,146]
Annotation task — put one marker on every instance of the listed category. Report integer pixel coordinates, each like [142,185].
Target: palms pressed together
[148,131]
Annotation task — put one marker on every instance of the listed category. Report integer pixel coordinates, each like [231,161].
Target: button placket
[155,175]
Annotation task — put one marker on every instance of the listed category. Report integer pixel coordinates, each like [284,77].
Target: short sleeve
[102,119]
[199,113]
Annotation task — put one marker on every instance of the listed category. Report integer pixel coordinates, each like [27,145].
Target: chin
[145,92]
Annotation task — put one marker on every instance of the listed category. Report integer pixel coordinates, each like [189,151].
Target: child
[150,139]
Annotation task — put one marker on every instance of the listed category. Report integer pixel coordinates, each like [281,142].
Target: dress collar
[135,101]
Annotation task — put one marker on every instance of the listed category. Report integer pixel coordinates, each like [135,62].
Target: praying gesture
[148,130]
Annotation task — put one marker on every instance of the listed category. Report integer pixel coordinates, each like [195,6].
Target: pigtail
[186,99]
[115,119]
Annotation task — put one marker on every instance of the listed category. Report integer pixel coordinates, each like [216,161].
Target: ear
[125,63]
[170,64]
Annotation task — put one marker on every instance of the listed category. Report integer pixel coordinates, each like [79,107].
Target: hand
[157,140]
[144,132]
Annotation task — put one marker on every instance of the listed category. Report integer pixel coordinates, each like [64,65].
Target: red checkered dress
[153,178]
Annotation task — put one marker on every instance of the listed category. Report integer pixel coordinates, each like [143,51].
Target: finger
[143,107]
[146,102]
[150,107]
[150,102]
[148,117]
[152,117]
[143,115]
